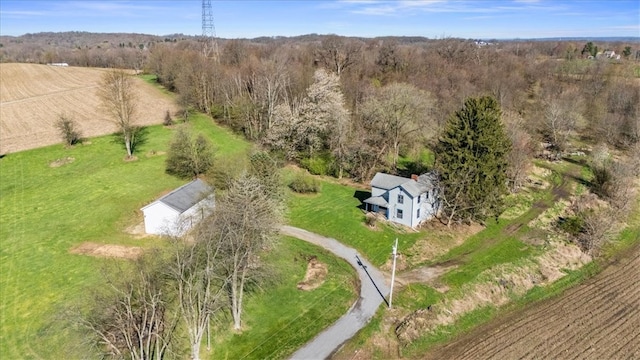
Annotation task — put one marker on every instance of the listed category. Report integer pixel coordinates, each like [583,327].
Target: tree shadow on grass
[572,175]
[409,168]
[140,137]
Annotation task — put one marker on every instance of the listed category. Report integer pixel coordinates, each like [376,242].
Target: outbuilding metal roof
[186,196]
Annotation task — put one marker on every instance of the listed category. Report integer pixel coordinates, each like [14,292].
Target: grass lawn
[45,211]
[335,212]
[282,319]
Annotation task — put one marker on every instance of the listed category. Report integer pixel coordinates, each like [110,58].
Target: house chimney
[414,177]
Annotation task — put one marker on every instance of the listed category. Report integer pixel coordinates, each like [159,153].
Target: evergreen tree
[189,156]
[471,157]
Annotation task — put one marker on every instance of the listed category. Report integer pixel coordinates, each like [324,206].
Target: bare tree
[559,123]
[132,318]
[337,53]
[200,289]
[246,220]
[68,130]
[399,115]
[522,150]
[119,100]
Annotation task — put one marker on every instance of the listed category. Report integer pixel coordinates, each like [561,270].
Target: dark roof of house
[186,196]
[387,182]
[414,188]
[377,200]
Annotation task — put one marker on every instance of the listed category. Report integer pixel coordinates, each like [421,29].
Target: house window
[399,213]
[419,198]
[418,215]
[400,199]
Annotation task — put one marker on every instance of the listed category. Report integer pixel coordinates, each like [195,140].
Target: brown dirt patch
[423,275]
[59,162]
[315,276]
[153,153]
[438,241]
[107,250]
[137,230]
[32,96]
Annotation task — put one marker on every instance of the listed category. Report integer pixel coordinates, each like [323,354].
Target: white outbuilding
[175,213]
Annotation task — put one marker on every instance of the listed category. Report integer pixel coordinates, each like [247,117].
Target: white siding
[394,206]
[160,219]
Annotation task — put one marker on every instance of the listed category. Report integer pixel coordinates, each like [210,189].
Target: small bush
[573,225]
[68,130]
[370,220]
[305,184]
[317,165]
[168,121]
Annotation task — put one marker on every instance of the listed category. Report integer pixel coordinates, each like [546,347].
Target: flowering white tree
[320,122]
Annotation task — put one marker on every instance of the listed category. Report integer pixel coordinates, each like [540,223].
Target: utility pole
[393,271]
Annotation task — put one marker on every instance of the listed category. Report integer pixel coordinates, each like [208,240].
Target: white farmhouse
[175,213]
[402,200]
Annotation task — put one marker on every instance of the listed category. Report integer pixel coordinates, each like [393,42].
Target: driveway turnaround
[373,292]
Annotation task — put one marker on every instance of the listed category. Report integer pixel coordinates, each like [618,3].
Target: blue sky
[476,19]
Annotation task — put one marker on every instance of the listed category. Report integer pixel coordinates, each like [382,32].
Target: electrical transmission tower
[210,46]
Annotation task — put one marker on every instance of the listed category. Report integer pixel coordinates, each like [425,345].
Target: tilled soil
[599,319]
[33,96]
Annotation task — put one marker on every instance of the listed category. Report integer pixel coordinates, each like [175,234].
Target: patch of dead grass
[315,276]
[107,250]
[60,162]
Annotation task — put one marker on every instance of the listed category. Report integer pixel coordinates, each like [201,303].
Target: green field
[45,211]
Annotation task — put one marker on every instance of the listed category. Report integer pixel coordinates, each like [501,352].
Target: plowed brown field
[32,97]
[596,320]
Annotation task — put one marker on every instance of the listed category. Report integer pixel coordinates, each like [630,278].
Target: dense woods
[557,87]
[348,107]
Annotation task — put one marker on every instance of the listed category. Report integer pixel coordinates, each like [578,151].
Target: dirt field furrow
[595,320]
[527,326]
[624,350]
[597,326]
[33,96]
[618,329]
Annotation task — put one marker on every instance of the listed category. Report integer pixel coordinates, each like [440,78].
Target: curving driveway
[373,290]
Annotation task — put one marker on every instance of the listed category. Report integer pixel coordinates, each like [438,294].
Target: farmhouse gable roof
[387,182]
[422,184]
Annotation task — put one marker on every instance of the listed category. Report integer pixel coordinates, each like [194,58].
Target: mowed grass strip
[335,213]
[45,211]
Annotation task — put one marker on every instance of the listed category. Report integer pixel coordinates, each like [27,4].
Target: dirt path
[599,319]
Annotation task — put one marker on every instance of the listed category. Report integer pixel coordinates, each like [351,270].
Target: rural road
[372,290]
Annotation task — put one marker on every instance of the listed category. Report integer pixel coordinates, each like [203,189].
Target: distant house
[608,54]
[176,212]
[402,200]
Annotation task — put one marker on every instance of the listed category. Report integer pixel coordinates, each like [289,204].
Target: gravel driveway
[373,289]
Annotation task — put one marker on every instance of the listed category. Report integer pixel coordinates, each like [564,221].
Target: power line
[209,44]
